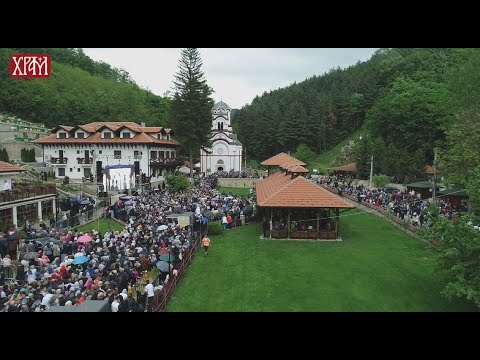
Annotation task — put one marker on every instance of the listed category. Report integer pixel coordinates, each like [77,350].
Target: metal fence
[161,297]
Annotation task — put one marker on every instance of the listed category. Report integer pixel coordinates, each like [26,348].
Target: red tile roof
[281,159]
[352,167]
[141,137]
[6,167]
[297,169]
[280,190]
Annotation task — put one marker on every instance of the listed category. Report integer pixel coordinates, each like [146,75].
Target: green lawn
[104,226]
[376,267]
[233,191]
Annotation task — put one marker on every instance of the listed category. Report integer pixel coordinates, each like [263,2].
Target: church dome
[221,107]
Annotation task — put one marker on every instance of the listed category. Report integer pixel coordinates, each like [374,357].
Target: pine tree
[191,105]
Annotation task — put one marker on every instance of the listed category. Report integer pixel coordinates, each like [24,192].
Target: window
[168,136]
[159,136]
[62,135]
[153,155]
[80,135]
[173,154]
[107,135]
[117,154]
[100,152]
[78,151]
[162,154]
[71,170]
[126,135]
[78,169]
[167,153]
[61,171]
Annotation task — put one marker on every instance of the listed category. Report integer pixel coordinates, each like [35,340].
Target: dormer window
[107,135]
[126,134]
[159,136]
[62,135]
[168,136]
[80,135]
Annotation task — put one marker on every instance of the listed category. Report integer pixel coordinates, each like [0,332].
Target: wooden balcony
[83,161]
[24,192]
[166,163]
[58,161]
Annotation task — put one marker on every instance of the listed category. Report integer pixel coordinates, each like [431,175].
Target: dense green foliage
[380,181]
[407,101]
[79,91]
[459,259]
[215,228]
[27,155]
[304,153]
[191,105]
[177,182]
[4,155]
[244,273]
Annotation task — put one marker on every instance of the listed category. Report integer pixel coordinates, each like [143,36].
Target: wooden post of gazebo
[318,224]
[337,230]
[271,222]
[288,224]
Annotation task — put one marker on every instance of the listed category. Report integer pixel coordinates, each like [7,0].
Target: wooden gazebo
[349,169]
[294,207]
[280,160]
[454,196]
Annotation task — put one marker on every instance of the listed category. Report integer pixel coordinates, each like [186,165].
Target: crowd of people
[110,266]
[406,205]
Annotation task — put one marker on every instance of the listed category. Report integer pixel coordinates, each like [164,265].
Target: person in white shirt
[7,261]
[150,294]
[115,304]
[6,185]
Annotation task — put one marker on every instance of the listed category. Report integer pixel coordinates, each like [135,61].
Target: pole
[371,172]
[434,173]
[245,157]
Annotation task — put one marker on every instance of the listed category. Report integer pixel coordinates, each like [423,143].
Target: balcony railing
[117,156]
[59,160]
[23,192]
[85,161]
[166,162]
[139,157]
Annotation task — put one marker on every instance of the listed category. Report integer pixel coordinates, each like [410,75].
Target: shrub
[380,181]
[215,228]
[218,216]
[177,182]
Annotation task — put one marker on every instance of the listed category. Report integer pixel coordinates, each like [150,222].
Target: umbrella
[126,198]
[162,227]
[129,202]
[80,260]
[163,251]
[85,202]
[163,266]
[165,257]
[84,238]
[205,220]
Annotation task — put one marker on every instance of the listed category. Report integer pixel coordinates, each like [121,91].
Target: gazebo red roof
[280,190]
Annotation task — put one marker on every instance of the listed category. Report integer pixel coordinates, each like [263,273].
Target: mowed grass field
[104,226]
[376,267]
[233,191]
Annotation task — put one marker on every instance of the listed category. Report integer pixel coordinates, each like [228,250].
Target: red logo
[30,66]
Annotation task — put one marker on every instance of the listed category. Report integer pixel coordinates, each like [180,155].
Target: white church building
[226,152]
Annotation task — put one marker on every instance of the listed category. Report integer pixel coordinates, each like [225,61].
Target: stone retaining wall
[237,182]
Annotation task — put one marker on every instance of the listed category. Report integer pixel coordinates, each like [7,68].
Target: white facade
[74,152]
[226,153]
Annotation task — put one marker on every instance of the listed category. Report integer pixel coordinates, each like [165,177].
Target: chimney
[142,124]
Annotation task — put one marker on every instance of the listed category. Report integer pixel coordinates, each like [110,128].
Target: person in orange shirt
[206,244]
